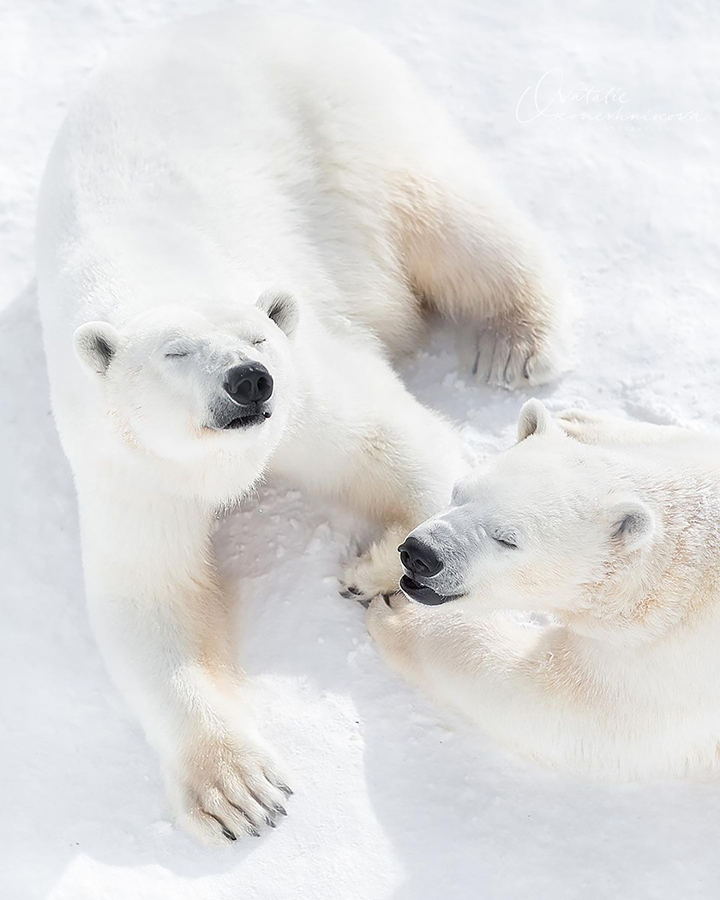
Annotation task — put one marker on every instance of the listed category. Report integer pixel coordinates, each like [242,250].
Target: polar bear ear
[534,418]
[95,345]
[632,523]
[282,307]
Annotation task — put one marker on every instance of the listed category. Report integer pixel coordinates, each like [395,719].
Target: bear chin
[245,421]
[424,594]
[240,417]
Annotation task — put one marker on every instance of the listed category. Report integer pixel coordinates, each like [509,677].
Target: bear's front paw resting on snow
[376,572]
[226,788]
[362,583]
[514,360]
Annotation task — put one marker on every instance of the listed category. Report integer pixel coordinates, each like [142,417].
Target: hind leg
[474,258]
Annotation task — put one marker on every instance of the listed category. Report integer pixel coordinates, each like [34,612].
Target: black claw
[228,834]
[350,592]
[270,822]
[280,809]
[254,832]
[286,790]
[388,597]
[265,805]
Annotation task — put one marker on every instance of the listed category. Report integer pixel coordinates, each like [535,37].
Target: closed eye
[178,348]
[505,541]
[259,341]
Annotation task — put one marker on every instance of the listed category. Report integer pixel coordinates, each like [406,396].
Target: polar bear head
[179,384]
[549,525]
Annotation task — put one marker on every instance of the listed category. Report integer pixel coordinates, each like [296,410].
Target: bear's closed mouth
[424,594]
[245,421]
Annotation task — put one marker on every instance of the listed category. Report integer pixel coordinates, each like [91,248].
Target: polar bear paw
[514,361]
[389,621]
[229,787]
[375,573]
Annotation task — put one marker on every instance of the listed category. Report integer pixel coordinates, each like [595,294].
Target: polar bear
[611,526]
[242,224]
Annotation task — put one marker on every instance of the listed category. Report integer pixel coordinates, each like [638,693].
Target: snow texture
[394,798]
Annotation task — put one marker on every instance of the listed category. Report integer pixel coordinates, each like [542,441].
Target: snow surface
[393,798]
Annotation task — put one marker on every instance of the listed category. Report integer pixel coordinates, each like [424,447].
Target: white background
[394,799]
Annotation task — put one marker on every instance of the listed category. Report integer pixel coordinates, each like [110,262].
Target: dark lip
[246,420]
[424,594]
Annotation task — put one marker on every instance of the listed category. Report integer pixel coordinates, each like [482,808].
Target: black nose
[419,559]
[249,383]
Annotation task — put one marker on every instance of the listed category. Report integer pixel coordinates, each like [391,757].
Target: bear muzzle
[247,388]
[228,416]
[421,563]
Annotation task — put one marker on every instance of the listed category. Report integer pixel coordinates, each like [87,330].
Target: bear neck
[668,587]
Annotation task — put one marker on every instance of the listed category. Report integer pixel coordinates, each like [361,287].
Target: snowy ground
[394,799]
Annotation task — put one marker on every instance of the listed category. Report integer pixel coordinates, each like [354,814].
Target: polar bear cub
[614,528]
[242,222]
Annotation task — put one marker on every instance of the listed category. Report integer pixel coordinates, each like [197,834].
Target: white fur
[617,533]
[213,170]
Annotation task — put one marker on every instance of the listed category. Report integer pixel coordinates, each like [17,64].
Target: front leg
[397,626]
[404,471]
[440,650]
[527,687]
[481,669]
[367,444]
[162,622]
